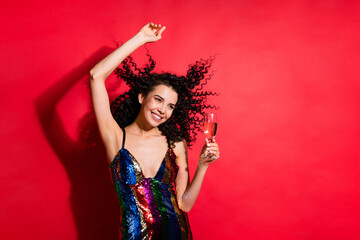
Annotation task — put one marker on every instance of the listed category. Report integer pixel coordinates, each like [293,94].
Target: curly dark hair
[187,117]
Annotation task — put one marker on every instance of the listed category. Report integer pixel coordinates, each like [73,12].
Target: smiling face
[158,105]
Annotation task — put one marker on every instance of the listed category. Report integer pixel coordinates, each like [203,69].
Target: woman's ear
[141,98]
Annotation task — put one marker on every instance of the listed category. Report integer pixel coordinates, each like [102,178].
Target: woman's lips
[156,117]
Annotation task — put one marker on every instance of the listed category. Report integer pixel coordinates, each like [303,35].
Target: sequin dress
[149,208]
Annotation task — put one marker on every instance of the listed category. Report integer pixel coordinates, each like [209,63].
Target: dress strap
[123,141]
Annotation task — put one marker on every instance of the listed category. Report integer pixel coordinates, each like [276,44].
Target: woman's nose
[161,108]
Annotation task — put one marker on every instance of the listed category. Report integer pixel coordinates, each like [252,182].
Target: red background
[288,77]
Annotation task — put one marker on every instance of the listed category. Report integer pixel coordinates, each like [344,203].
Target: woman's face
[158,105]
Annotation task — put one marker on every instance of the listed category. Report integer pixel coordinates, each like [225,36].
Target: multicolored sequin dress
[149,208]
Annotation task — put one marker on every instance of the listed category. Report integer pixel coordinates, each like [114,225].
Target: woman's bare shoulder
[180,149]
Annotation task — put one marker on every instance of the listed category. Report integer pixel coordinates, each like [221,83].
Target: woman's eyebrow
[159,96]
[174,104]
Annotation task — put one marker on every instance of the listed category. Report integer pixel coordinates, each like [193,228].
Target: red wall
[289,83]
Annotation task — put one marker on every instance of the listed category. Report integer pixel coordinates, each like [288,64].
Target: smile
[156,117]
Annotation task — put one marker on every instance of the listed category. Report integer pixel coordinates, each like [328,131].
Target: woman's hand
[151,32]
[209,153]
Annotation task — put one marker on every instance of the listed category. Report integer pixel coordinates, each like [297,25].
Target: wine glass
[210,127]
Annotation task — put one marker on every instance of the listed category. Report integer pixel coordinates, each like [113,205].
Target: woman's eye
[158,99]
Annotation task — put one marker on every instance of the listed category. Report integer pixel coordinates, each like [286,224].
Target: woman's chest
[149,154]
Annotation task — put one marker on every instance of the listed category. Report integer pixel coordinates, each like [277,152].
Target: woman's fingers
[160,31]
[154,26]
[212,147]
[155,30]
[210,152]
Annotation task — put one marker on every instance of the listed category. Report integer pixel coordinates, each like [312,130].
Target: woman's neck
[139,128]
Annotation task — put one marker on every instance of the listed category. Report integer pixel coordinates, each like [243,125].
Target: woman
[157,117]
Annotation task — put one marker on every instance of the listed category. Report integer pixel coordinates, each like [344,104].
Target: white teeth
[156,116]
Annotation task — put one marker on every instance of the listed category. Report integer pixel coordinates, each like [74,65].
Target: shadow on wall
[93,200]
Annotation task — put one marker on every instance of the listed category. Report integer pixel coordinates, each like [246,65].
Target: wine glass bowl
[210,125]
[210,128]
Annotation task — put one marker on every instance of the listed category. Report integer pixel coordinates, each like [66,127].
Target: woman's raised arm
[98,74]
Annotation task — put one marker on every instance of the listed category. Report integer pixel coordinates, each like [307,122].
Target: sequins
[149,208]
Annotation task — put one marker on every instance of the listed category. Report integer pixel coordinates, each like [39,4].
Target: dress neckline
[135,161]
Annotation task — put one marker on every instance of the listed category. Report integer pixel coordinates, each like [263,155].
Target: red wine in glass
[210,126]
[210,129]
